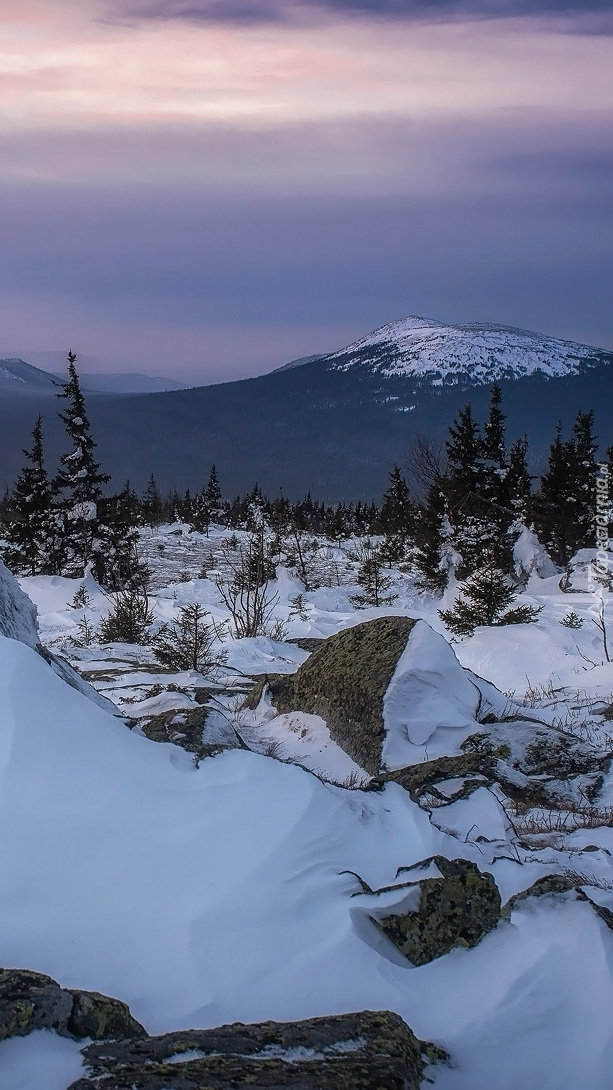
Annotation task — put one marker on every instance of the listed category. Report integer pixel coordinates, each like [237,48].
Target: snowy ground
[211,893]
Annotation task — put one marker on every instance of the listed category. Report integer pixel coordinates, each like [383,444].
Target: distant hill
[20,379]
[335,425]
[42,368]
[130,383]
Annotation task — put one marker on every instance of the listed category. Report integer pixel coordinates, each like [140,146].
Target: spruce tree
[116,563]
[472,487]
[201,513]
[79,481]
[494,430]
[565,503]
[434,555]
[214,498]
[31,531]
[152,504]
[187,643]
[483,600]
[585,471]
[375,585]
[518,482]
[396,518]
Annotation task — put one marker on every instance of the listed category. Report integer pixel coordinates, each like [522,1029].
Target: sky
[207,189]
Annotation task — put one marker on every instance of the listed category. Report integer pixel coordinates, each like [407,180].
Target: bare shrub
[272,748]
[543,821]
[426,463]
[243,583]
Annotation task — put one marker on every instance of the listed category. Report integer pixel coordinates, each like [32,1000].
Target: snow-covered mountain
[478,352]
[336,424]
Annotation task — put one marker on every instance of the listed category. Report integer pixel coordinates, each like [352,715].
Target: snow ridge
[482,352]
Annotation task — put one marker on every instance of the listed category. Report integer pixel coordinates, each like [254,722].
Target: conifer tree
[494,431]
[565,503]
[187,643]
[116,563]
[213,495]
[200,512]
[396,518]
[518,481]
[79,481]
[152,505]
[31,531]
[375,585]
[433,550]
[472,490]
[585,471]
[483,600]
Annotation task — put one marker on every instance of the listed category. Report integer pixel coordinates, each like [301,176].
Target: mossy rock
[308,643]
[551,884]
[458,909]
[418,779]
[344,681]
[31,1001]
[280,687]
[366,1051]
[182,727]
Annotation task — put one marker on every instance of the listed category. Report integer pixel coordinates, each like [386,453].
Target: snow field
[215,894]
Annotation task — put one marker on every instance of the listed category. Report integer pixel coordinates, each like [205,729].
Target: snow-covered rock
[18,621]
[17,611]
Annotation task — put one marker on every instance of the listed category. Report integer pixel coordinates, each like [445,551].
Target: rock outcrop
[456,906]
[17,611]
[31,1001]
[18,621]
[371,1050]
[366,1051]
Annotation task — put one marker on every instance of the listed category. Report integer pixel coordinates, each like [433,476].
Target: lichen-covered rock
[197,730]
[100,1017]
[344,681]
[548,885]
[456,909]
[421,778]
[30,1001]
[366,1051]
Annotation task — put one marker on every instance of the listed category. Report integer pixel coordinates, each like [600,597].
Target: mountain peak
[480,352]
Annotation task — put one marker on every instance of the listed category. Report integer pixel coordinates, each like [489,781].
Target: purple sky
[208,188]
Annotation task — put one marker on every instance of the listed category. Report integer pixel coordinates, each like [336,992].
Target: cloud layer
[285,11]
[218,195]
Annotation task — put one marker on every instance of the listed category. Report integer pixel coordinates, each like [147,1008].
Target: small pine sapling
[299,606]
[81,599]
[572,620]
[86,633]
[483,600]
[187,643]
[372,580]
[130,617]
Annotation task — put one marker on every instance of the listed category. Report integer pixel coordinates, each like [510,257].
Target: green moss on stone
[458,909]
[344,681]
